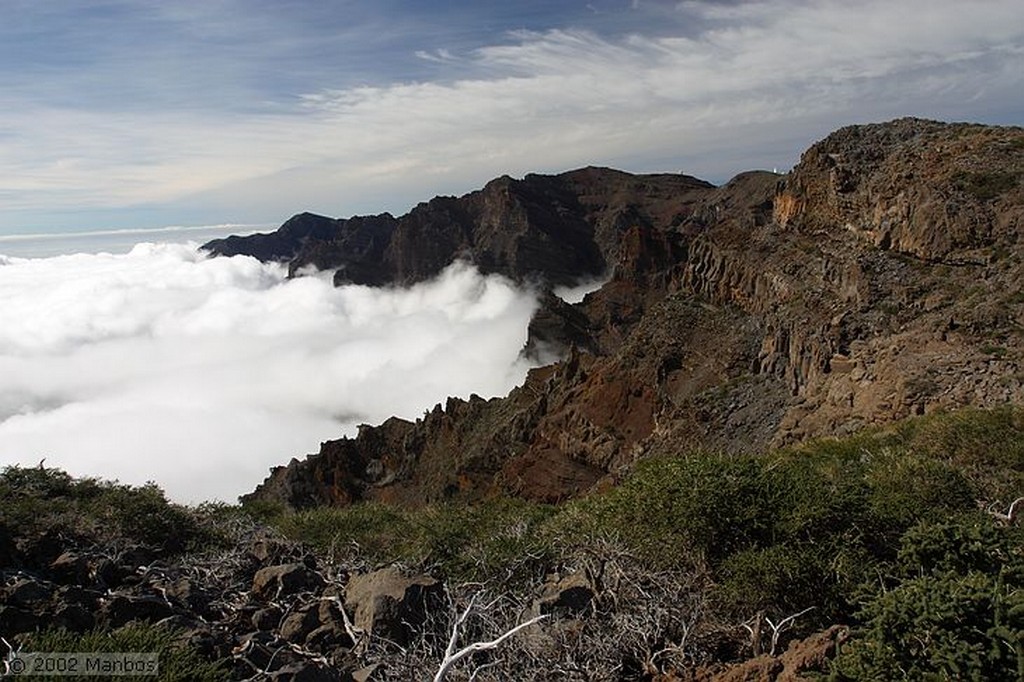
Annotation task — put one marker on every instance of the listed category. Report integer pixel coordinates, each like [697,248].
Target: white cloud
[439,56]
[202,373]
[753,85]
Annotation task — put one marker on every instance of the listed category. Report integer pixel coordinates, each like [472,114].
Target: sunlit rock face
[880,279]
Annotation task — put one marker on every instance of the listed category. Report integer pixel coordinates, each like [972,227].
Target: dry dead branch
[451,656]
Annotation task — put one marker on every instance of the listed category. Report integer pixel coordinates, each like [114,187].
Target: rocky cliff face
[880,278]
[938,192]
[552,228]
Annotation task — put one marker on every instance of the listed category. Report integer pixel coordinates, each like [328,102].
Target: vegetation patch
[950,607]
[907,535]
[40,501]
[458,541]
[984,186]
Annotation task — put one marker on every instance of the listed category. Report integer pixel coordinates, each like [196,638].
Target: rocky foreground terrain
[880,279]
[783,441]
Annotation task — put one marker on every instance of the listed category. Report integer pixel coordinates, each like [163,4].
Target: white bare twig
[451,656]
[783,625]
[485,666]
[453,640]
[1010,515]
[12,653]
[354,633]
[753,626]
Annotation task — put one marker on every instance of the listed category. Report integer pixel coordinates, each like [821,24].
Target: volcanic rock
[390,604]
[880,279]
[568,596]
[276,581]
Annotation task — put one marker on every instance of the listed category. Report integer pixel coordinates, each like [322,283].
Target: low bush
[985,186]
[676,512]
[38,500]
[376,532]
[985,446]
[950,607]
[458,541]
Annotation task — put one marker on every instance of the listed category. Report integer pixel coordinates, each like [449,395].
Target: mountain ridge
[879,279]
[548,226]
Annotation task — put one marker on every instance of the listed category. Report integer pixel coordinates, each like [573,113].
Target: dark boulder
[287,579]
[120,609]
[267,619]
[569,596]
[27,592]
[10,557]
[84,569]
[392,605]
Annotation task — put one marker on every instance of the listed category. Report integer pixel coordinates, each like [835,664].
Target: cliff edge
[881,278]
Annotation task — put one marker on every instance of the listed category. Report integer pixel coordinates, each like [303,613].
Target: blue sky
[118,114]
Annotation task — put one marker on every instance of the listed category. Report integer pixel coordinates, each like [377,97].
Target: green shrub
[265,511]
[952,608]
[968,542]
[935,626]
[496,536]
[986,446]
[824,494]
[777,580]
[378,532]
[674,511]
[144,514]
[38,500]
[984,186]
[906,488]
[461,541]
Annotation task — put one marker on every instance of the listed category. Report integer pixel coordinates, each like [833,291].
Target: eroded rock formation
[880,278]
[553,228]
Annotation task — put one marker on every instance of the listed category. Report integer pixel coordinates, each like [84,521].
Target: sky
[118,114]
[200,374]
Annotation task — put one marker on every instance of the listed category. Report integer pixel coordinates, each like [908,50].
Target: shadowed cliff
[877,280]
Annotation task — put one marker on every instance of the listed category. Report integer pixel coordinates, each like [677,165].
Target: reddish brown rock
[879,280]
[801,660]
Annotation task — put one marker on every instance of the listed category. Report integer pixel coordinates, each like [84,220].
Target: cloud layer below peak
[202,373]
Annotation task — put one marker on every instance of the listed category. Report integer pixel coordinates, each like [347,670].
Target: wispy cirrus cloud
[352,124]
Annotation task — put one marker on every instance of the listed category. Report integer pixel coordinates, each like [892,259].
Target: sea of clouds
[201,373]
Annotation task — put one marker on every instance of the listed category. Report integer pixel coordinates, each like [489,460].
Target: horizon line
[129,231]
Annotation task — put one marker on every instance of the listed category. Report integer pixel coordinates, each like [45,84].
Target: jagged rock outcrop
[284,243]
[556,229]
[881,278]
[940,192]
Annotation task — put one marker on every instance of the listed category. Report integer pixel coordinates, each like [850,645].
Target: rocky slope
[877,280]
[87,565]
